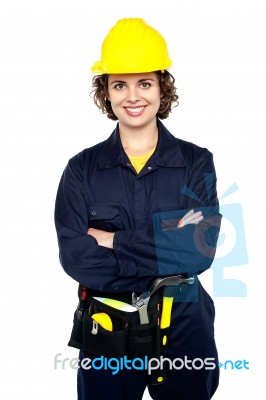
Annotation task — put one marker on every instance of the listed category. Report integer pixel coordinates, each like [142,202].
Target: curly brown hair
[166,81]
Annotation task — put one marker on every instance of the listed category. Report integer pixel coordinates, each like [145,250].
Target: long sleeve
[158,251]
[80,255]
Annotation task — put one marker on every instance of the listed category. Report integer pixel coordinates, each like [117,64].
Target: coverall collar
[168,152]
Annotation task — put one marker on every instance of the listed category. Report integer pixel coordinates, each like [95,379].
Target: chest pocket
[105,216]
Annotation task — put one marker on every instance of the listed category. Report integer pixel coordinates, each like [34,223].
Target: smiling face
[135,98]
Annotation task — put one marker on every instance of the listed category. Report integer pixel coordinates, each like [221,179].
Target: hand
[103,238]
[190,217]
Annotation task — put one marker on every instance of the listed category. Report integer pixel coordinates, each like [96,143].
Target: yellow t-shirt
[138,162]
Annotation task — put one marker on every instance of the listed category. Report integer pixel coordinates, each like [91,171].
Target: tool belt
[136,334]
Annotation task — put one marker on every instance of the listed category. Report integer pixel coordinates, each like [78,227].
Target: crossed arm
[106,239]
[126,259]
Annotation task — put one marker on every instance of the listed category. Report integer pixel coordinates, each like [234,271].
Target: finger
[191,218]
[198,220]
[195,218]
[182,220]
[191,212]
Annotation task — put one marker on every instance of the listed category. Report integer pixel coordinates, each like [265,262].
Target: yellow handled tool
[166,312]
[104,320]
[170,284]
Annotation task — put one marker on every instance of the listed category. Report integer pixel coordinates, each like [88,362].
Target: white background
[47,116]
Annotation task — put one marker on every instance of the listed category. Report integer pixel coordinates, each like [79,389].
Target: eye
[119,86]
[145,85]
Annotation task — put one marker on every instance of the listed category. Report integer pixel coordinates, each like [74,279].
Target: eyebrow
[140,80]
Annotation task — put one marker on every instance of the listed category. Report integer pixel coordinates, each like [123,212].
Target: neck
[139,141]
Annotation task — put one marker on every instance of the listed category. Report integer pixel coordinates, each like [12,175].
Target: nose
[132,95]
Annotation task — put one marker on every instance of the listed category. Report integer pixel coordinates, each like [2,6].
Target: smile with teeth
[135,109]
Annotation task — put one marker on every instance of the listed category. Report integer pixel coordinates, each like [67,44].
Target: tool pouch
[127,338]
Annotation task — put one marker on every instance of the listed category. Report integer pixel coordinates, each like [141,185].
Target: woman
[138,206]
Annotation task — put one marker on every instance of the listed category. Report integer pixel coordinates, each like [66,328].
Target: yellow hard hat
[132,46]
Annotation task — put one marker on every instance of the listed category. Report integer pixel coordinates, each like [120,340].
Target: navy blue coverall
[100,189]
